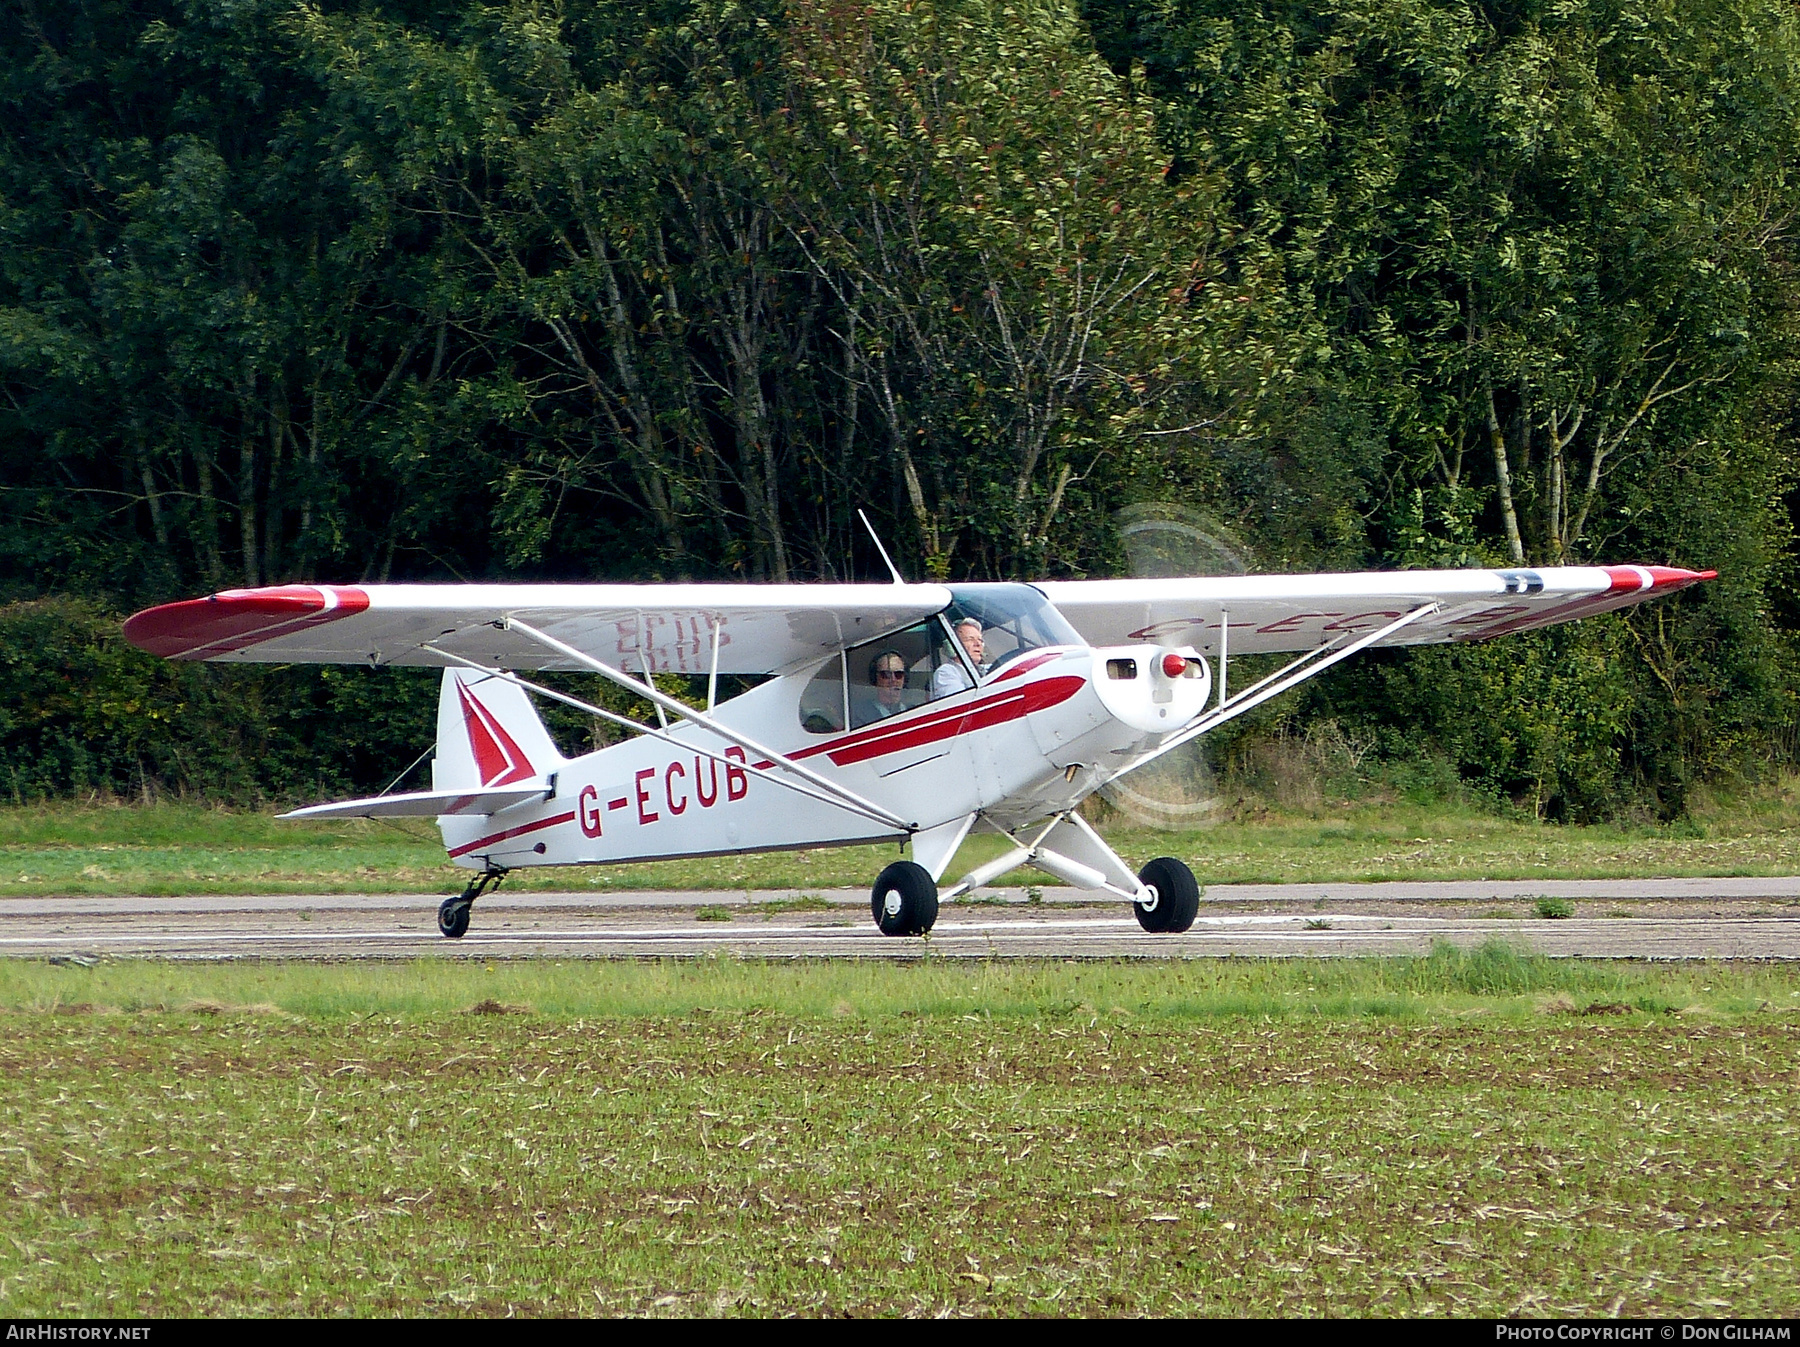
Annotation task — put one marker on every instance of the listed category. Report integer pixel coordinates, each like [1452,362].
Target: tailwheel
[904,900]
[453,917]
[1174,897]
[453,913]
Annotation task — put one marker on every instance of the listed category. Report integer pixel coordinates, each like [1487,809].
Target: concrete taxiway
[1653,919]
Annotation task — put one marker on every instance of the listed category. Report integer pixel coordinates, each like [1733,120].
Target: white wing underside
[762,629]
[772,629]
[1269,613]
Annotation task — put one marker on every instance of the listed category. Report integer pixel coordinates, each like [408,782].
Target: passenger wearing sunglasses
[888,674]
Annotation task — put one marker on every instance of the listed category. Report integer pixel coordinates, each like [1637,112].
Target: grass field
[1477,1133]
[177,849]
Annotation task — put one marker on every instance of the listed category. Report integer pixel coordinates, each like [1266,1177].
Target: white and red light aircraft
[877,725]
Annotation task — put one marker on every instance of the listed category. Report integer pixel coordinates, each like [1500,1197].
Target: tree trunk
[210,561]
[1562,432]
[310,481]
[246,482]
[909,473]
[278,435]
[159,526]
[1503,475]
[652,468]
[772,505]
[1579,524]
[756,452]
[1554,512]
[1056,496]
[745,334]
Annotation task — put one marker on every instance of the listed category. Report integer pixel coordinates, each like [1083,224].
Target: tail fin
[489,734]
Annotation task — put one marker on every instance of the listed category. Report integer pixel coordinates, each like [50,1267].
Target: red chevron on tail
[500,760]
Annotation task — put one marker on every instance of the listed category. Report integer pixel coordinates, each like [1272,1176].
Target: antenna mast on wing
[893,570]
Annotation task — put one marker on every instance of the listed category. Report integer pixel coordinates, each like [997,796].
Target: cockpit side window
[893,674]
[1015,619]
[886,677]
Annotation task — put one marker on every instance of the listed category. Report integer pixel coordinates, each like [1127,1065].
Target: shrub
[84,713]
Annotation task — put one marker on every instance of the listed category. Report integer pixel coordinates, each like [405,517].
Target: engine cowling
[1152,688]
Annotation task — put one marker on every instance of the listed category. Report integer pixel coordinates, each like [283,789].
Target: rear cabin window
[822,701]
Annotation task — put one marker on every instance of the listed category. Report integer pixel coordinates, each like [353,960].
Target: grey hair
[974,622]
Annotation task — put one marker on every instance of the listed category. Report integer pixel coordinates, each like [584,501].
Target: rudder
[489,734]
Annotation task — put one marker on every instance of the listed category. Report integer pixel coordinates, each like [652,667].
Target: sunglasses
[890,673]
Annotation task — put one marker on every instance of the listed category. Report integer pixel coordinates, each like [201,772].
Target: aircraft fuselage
[1034,738]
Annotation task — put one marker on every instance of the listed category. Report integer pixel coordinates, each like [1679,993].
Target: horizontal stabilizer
[428,803]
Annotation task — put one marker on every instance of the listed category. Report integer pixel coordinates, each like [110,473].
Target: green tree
[194,317]
[1033,304]
[1539,253]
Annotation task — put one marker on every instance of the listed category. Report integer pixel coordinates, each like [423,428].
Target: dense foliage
[672,287]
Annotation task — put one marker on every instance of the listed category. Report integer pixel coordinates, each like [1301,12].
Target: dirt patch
[493,1007]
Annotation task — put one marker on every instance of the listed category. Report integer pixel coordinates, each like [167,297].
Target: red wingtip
[1671,577]
[1661,579]
[237,619]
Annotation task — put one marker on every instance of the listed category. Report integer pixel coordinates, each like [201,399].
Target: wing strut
[1290,675]
[849,798]
[625,722]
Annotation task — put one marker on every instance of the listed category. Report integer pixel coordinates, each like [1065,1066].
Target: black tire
[1177,897]
[453,917]
[904,899]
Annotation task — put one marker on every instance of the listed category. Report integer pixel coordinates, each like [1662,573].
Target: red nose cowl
[1174,665]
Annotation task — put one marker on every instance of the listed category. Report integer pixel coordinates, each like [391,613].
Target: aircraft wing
[763,629]
[1300,612]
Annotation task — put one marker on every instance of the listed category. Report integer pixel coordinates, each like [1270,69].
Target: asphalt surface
[1656,919]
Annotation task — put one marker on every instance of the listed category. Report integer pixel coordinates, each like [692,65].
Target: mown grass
[726,1138]
[1495,979]
[183,849]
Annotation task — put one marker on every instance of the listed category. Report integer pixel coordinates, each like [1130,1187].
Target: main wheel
[453,917]
[1175,896]
[904,900]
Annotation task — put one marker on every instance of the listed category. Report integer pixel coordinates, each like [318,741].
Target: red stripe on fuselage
[903,733]
[1025,666]
[510,833]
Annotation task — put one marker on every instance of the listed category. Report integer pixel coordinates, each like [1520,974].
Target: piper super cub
[903,713]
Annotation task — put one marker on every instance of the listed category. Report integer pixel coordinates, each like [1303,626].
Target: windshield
[1013,618]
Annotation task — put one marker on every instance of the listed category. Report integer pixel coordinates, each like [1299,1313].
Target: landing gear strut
[453,913]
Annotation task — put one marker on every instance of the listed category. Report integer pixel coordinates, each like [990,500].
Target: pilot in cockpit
[951,677]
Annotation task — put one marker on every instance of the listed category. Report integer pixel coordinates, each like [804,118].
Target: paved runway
[1658,919]
[1777,891]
